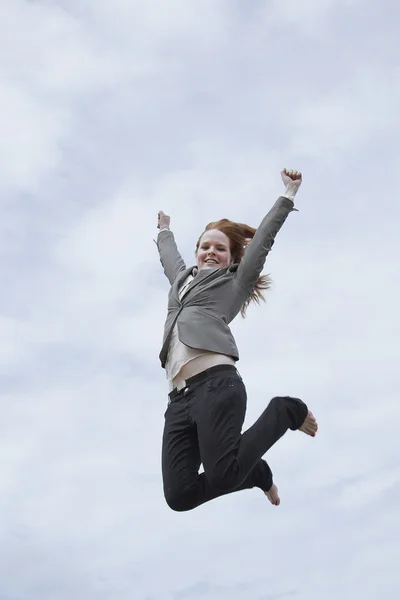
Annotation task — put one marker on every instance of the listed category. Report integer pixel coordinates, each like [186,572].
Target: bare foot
[273,496]
[310,425]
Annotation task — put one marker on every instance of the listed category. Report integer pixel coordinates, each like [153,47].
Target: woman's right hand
[163,220]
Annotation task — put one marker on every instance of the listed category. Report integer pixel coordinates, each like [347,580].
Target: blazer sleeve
[252,263]
[170,258]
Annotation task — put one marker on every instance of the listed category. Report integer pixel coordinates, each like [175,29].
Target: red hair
[240,235]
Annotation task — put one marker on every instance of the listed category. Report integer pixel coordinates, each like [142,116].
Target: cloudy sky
[111,111]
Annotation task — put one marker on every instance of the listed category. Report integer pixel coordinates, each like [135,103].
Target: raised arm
[252,263]
[170,258]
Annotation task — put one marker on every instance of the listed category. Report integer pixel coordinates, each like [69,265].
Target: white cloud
[309,16]
[30,137]
[330,127]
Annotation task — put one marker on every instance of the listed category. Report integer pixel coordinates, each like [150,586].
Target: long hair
[240,235]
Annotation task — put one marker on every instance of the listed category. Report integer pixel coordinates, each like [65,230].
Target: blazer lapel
[200,277]
[179,281]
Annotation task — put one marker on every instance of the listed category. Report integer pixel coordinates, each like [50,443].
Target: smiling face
[214,250]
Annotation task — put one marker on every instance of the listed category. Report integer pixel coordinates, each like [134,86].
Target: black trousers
[203,424]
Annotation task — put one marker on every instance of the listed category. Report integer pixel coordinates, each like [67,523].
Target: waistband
[201,377]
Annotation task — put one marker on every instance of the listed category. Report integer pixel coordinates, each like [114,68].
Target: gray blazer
[215,296]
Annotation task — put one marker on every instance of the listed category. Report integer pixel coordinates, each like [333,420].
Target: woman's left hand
[292,180]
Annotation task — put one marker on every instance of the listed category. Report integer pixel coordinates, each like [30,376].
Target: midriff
[200,363]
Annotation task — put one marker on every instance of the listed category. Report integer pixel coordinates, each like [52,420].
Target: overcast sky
[109,112]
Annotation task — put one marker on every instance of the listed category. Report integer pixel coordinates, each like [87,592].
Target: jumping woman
[207,397]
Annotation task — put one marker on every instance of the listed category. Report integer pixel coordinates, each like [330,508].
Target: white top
[184,362]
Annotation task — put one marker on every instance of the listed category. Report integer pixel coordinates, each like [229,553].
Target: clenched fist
[163,220]
[292,180]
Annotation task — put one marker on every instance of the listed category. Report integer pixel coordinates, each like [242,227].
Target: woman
[207,398]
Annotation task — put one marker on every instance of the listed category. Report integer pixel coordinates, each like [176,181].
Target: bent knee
[180,501]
